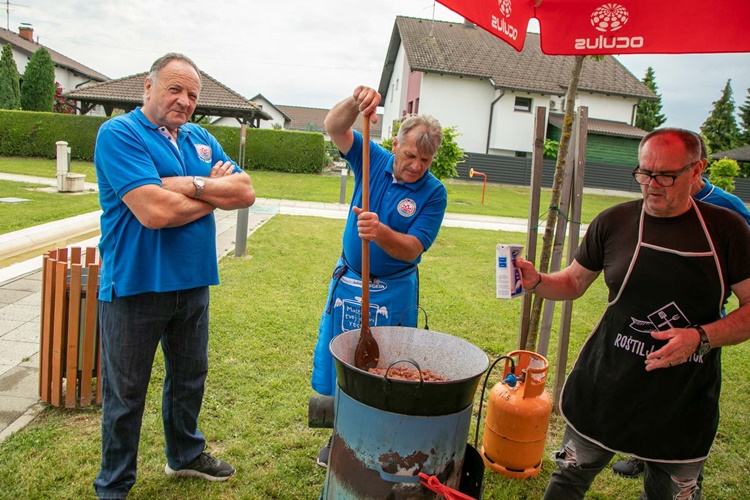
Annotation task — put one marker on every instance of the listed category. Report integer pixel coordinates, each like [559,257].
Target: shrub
[60,105]
[38,87]
[722,174]
[551,147]
[448,155]
[10,86]
[27,133]
[276,150]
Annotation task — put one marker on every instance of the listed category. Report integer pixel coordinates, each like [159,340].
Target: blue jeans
[580,460]
[131,329]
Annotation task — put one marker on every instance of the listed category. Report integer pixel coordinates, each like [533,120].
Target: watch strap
[703,338]
[199,184]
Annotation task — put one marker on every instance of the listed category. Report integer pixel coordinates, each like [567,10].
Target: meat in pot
[408,373]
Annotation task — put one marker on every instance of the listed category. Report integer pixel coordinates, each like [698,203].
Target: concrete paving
[47,181]
[20,320]
[20,285]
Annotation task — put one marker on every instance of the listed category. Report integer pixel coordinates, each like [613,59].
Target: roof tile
[315,117]
[22,45]
[466,50]
[603,127]
[739,154]
[127,92]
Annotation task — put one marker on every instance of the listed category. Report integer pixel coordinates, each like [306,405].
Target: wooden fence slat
[74,325]
[48,297]
[58,331]
[75,255]
[69,327]
[89,333]
[90,255]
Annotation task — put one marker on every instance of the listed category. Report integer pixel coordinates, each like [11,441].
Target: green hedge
[32,133]
[27,133]
[277,150]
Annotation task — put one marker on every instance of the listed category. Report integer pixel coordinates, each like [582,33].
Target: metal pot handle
[387,381]
[420,308]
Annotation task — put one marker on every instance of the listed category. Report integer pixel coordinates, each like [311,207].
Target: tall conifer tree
[720,128]
[745,120]
[38,88]
[649,114]
[10,88]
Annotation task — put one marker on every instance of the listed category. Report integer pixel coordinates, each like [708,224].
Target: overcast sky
[307,53]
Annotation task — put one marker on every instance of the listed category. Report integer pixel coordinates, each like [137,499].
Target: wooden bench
[70,344]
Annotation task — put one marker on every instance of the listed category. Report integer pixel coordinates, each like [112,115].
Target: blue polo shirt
[131,152]
[414,208]
[717,196]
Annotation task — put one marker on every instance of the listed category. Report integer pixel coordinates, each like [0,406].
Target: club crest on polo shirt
[204,152]
[407,207]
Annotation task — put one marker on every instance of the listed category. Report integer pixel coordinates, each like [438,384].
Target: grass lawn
[463,196]
[43,205]
[43,167]
[264,319]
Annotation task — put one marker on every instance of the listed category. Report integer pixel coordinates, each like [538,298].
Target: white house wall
[395,100]
[459,102]
[70,81]
[513,130]
[226,121]
[465,103]
[21,60]
[276,116]
[602,107]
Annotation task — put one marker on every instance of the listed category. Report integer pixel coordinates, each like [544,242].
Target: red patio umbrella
[594,27]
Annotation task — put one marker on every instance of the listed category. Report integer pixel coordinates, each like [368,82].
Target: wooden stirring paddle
[367,353]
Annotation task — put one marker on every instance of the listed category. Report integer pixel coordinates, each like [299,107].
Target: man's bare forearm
[227,192]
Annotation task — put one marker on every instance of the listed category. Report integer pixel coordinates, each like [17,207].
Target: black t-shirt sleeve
[731,234]
[591,252]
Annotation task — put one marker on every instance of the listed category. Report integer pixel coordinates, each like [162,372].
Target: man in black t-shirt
[646,382]
[702,191]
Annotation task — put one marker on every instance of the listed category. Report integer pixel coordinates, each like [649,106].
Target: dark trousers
[131,329]
[580,460]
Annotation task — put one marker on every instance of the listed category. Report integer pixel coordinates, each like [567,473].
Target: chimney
[469,24]
[26,32]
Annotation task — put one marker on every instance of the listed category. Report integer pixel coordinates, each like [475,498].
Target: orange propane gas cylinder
[518,413]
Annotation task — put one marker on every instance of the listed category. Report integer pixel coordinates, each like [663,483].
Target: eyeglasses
[664,180]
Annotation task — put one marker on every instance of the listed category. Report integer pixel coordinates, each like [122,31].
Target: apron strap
[338,273]
[341,270]
[398,274]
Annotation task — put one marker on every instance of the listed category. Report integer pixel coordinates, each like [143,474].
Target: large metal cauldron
[387,431]
[461,362]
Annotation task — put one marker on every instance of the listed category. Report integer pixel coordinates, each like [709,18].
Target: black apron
[669,414]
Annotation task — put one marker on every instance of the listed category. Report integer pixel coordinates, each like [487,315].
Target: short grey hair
[159,64]
[704,150]
[693,143]
[429,133]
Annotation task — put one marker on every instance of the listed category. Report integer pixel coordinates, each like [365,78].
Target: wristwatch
[199,184]
[704,346]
